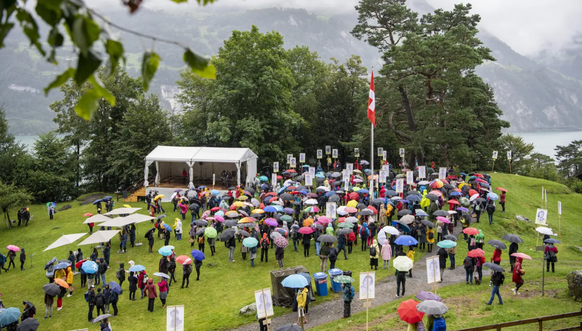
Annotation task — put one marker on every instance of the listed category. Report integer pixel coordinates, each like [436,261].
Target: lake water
[544,142]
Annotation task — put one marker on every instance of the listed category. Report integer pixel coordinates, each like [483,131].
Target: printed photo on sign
[384,155]
[350,167]
[367,285]
[264,303]
[542,216]
[275,166]
[509,155]
[302,157]
[175,318]
[319,154]
[495,154]
[334,153]
[382,175]
[293,162]
[386,167]
[442,173]
[401,152]
[331,210]
[559,207]
[422,172]
[433,270]
[308,180]
[400,185]
[312,172]
[379,151]
[410,177]
[327,149]
[356,152]
[289,157]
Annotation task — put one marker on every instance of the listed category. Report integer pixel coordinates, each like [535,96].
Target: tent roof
[65,240]
[137,218]
[99,237]
[97,219]
[117,222]
[201,154]
[122,211]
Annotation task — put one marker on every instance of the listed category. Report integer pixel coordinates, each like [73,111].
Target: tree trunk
[78,173]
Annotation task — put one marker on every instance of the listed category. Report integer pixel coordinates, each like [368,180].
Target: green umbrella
[250,242]
[346,225]
[287,218]
[402,263]
[446,244]
[210,232]
[344,279]
[464,202]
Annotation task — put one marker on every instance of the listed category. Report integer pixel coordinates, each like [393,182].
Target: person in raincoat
[364,234]
[150,291]
[163,289]
[432,208]
[51,211]
[132,285]
[421,231]
[410,255]
[341,245]
[389,212]
[480,239]
[279,254]
[22,258]
[348,294]
[374,255]
[386,254]
[490,210]
[69,280]
[264,243]
[439,323]
[301,303]
[429,239]
[518,272]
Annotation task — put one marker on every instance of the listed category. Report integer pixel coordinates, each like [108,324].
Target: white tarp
[137,218]
[99,237]
[122,211]
[65,240]
[97,219]
[117,222]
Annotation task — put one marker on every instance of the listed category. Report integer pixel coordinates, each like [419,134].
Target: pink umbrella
[306,230]
[443,219]
[219,218]
[271,222]
[13,248]
[351,210]
[281,242]
[324,220]
[522,255]
[437,193]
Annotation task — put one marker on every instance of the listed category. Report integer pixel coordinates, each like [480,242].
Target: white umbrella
[452,212]
[323,188]
[407,219]
[385,232]
[342,211]
[97,219]
[99,237]
[544,230]
[311,202]
[474,197]
[118,222]
[65,240]
[122,211]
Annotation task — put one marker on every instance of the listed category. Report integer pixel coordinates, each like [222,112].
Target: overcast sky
[528,26]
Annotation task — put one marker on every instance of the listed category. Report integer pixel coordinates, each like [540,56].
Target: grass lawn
[467,303]
[213,303]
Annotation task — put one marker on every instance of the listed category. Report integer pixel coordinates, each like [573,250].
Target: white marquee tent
[202,163]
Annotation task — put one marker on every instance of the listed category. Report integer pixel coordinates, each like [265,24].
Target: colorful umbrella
[87,215]
[137,268]
[13,248]
[446,244]
[443,219]
[250,242]
[476,252]
[281,242]
[9,316]
[210,232]
[165,251]
[271,222]
[492,196]
[406,241]
[501,189]
[287,218]
[471,231]
[521,255]
[408,312]
[306,230]
[115,287]
[308,222]
[184,259]
[295,281]
[423,296]
[61,283]
[312,210]
[89,267]
[197,255]
[343,279]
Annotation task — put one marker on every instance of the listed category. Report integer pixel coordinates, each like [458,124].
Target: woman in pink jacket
[386,254]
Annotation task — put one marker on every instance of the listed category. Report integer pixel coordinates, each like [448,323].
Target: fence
[540,321]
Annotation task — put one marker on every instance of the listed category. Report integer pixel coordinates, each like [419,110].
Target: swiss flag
[372,102]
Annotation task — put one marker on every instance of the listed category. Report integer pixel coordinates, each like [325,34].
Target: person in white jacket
[179,230]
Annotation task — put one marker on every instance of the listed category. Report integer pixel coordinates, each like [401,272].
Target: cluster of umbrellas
[107,198]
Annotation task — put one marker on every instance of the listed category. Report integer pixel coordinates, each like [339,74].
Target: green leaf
[115,51]
[86,66]
[200,65]
[88,104]
[52,4]
[85,33]
[49,13]
[30,28]
[55,38]
[149,65]
[4,30]
[101,90]
[60,80]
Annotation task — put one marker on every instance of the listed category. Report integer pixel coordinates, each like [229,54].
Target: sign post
[367,290]
[509,159]
[495,154]
[265,306]
[175,318]
[559,217]
[402,152]
[433,271]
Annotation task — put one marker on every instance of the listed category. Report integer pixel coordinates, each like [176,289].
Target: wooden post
[559,224]
[493,167]
[543,275]
[367,304]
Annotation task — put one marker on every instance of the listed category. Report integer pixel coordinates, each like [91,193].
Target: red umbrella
[478,175]
[354,196]
[522,255]
[324,220]
[451,177]
[501,189]
[472,192]
[437,193]
[87,215]
[479,180]
[78,264]
[445,181]
[271,194]
[408,312]
[279,177]
[306,230]
[372,208]
[453,202]
[215,209]
[184,259]
[476,252]
[458,190]
[290,170]
[471,231]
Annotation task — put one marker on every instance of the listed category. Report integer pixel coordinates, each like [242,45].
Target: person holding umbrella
[497,280]
[279,254]
[89,297]
[11,256]
[513,248]
[186,271]
[28,312]
[163,289]
[549,255]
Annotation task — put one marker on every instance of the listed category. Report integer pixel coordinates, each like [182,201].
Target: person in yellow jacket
[61,273]
[430,239]
[301,302]
[389,212]
[410,255]
[424,202]
[374,257]
[70,281]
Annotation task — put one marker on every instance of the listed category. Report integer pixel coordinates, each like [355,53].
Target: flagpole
[371,189]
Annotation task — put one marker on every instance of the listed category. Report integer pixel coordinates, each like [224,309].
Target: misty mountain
[533,94]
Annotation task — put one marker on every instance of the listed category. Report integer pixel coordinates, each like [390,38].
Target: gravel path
[385,292]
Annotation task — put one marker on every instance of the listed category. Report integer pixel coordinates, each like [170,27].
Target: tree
[542,166]
[569,158]
[429,91]
[53,175]
[12,196]
[144,126]
[520,151]
[14,160]
[88,32]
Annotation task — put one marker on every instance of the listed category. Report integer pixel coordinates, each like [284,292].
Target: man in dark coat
[443,255]
[163,265]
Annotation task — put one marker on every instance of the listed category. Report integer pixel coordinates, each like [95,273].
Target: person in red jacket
[502,201]
[496,256]
[518,272]
[150,291]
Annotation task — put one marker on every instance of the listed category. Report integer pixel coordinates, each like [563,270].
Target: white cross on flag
[372,102]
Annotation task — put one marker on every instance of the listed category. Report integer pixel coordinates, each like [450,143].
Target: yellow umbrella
[127,206]
[352,203]
[243,197]
[462,184]
[231,213]
[258,211]
[308,222]
[247,220]
[238,204]
[158,197]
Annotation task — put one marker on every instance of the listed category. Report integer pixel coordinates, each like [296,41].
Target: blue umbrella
[363,191]
[197,255]
[270,209]
[250,242]
[167,227]
[319,175]
[107,198]
[89,267]
[137,268]
[421,213]
[295,281]
[61,265]
[277,207]
[305,166]
[165,251]
[115,287]
[9,316]
[306,275]
[97,201]
[215,192]
[329,194]
[201,187]
[304,192]
[492,196]
[406,241]
[446,244]
[455,194]
[263,178]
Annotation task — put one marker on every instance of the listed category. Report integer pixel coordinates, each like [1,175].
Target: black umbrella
[428,223]
[413,192]
[404,212]
[101,318]
[289,327]
[246,225]
[431,197]
[317,226]
[450,237]
[552,241]
[67,262]
[232,188]
[391,193]
[366,212]
[230,222]
[480,200]
[200,231]
[31,305]
[513,238]
[201,222]
[257,216]
[361,206]
[51,289]
[327,238]
[493,267]
[227,234]
[29,324]
[148,232]
[342,232]
[334,198]
[250,190]
[161,216]
[286,197]
[441,213]
[194,206]
[49,263]
[244,233]
[497,244]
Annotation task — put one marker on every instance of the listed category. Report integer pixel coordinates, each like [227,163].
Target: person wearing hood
[480,239]
[22,259]
[28,311]
[301,303]
[71,259]
[132,285]
[295,234]
[518,272]
[150,291]
[550,256]
[443,255]
[364,234]
[512,249]
[410,255]
[264,247]
[341,245]
[279,255]
[163,265]
[120,274]
[323,256]
[70,281]
[348,295]
[306,244]
[386,254]
[178,229]
[374,255]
